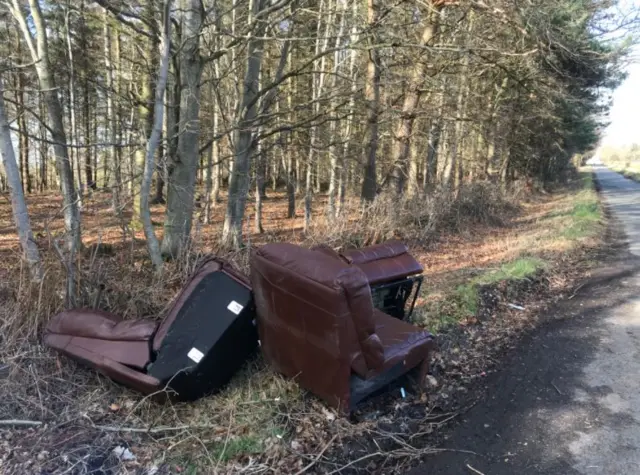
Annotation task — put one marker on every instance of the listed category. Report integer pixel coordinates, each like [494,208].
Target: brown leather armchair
[207,335]
[392,272]
[317,324]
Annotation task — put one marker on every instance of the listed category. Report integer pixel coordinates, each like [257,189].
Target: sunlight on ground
[548,227]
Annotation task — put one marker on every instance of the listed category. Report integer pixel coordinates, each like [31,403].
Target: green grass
[519,269]
[243,445]
[467,295]
[586,213]
[463,301]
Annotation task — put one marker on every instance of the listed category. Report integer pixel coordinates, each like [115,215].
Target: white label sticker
[195,355]
[235,307]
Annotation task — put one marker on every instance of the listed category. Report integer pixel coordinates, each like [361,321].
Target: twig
[18,422]
[152,430]
[226,439]
[375,454]
[314,461]
[575,292]
[474,470]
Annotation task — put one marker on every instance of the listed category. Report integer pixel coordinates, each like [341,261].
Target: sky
[624,117]
[625,112]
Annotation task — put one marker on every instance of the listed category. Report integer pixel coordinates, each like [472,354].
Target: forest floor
[486,285]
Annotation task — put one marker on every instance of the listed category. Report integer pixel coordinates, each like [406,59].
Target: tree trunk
[114,115]
[153,246]
[24,136]
[452,171]
[109,130]
[88,169]
[163,152]
[334,156]
[411,101]
[412,188]
[346,136]
[239,180]
[145,116]
[73,153]
[40,56]
[317,90]
[431,166]
[260,188]
[182,173]
[44,155]
[291,178]
[372,98]
[18,203]
[212,175]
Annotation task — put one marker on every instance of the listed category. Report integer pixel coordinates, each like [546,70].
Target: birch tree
[39,50]
[153,245]
[18,203]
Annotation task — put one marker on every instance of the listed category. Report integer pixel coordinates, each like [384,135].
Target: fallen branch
[18,422]
[314,461]
[478,472]
[152,430]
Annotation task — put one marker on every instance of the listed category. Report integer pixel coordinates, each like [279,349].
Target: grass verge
[574,219]
[629,170]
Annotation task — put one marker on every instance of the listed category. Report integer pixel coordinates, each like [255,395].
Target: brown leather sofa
[208,333]
[317,324]
[392,272]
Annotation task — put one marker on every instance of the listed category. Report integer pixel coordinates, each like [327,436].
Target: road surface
[568,401]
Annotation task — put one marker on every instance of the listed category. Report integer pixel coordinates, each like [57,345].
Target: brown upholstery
[384,262]
[123,349]
[317,323]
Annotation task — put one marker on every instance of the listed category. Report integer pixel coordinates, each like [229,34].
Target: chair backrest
[207,267]
[307,296]
[384,262]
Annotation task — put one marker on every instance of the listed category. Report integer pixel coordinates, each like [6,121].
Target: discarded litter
[517,307]
[403,393]
[123,453]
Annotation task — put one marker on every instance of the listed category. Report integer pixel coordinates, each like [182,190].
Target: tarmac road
[568,400]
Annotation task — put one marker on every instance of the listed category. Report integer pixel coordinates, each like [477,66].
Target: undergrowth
[261,421]
[418,219]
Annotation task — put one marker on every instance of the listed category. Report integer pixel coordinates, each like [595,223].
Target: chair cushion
[93,356]
[100,325]
[131,353]
[402,341]
[101,333]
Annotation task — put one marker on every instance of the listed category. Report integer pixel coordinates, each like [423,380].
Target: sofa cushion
[402,341]
[100,325]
